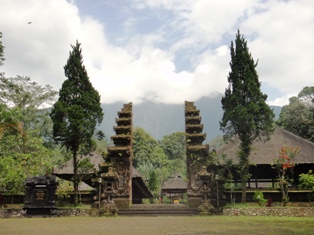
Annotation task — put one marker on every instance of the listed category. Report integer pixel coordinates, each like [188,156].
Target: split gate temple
[114,179]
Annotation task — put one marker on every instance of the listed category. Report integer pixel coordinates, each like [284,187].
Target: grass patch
[184,225]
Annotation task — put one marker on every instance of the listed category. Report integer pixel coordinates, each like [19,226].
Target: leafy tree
[246,114]
[29,97]
[22,157]
[307,95]
[143,147]
[283,164]
[10,121]
[307,182]
[173,145]
[145,168]
[24,93]
[77,110]
[298,116]
[153,182]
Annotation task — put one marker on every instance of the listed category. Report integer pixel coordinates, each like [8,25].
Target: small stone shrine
[204,186]
[40,197]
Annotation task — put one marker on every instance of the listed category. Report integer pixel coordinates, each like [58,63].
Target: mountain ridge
[159,119]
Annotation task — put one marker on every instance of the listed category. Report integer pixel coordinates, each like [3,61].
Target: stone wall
[270,211]
[263,211]
[18,213]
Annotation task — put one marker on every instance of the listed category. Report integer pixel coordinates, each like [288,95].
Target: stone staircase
[158,210]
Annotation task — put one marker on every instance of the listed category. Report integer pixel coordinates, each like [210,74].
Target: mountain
[163,119]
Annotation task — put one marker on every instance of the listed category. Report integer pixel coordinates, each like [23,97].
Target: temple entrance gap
[114,179]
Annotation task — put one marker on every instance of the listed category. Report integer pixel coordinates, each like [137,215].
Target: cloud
[182,54]
[40,49]
[281,38]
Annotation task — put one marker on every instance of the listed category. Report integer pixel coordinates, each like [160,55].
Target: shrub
[259,198]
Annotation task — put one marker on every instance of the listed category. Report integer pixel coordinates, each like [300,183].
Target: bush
[259,198]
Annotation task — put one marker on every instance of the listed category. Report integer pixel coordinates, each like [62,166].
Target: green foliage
[307,94]
[143,147]
[77,111]
[153,182]
[27,99]
[22,158]
[259,198]
[307,182]
[158,159]
[63,192]
[10,121]
[145,169]
[298,116]
[246,113]
[25,94]
[173,145]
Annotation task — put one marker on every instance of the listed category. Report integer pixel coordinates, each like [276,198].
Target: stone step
[158,210]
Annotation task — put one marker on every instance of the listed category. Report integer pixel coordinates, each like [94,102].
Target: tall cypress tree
[77,110]
[246,114]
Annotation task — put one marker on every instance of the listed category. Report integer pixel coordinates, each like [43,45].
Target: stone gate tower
[115,174]
[196,153]
[205,188]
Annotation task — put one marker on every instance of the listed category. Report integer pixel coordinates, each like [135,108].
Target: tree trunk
[243,198]
[75,181]
[244,166]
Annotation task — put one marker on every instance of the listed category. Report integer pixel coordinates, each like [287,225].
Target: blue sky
[160,50]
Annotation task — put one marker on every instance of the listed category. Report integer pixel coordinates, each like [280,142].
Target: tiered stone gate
[114,177]
[204,186]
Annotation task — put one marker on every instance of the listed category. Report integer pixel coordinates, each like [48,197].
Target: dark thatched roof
[174,183]
[95,159]
[67,167]
[264,152]
[139,188]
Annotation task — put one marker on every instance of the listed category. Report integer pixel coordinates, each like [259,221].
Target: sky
[165,51]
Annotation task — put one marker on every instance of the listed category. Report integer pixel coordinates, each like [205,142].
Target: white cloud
[279,34]
[282,38]
[281,101]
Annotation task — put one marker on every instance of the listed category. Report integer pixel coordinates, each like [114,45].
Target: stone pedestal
[122,202]
[194,201]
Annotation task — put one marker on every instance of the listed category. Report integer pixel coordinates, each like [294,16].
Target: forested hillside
[163,119]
